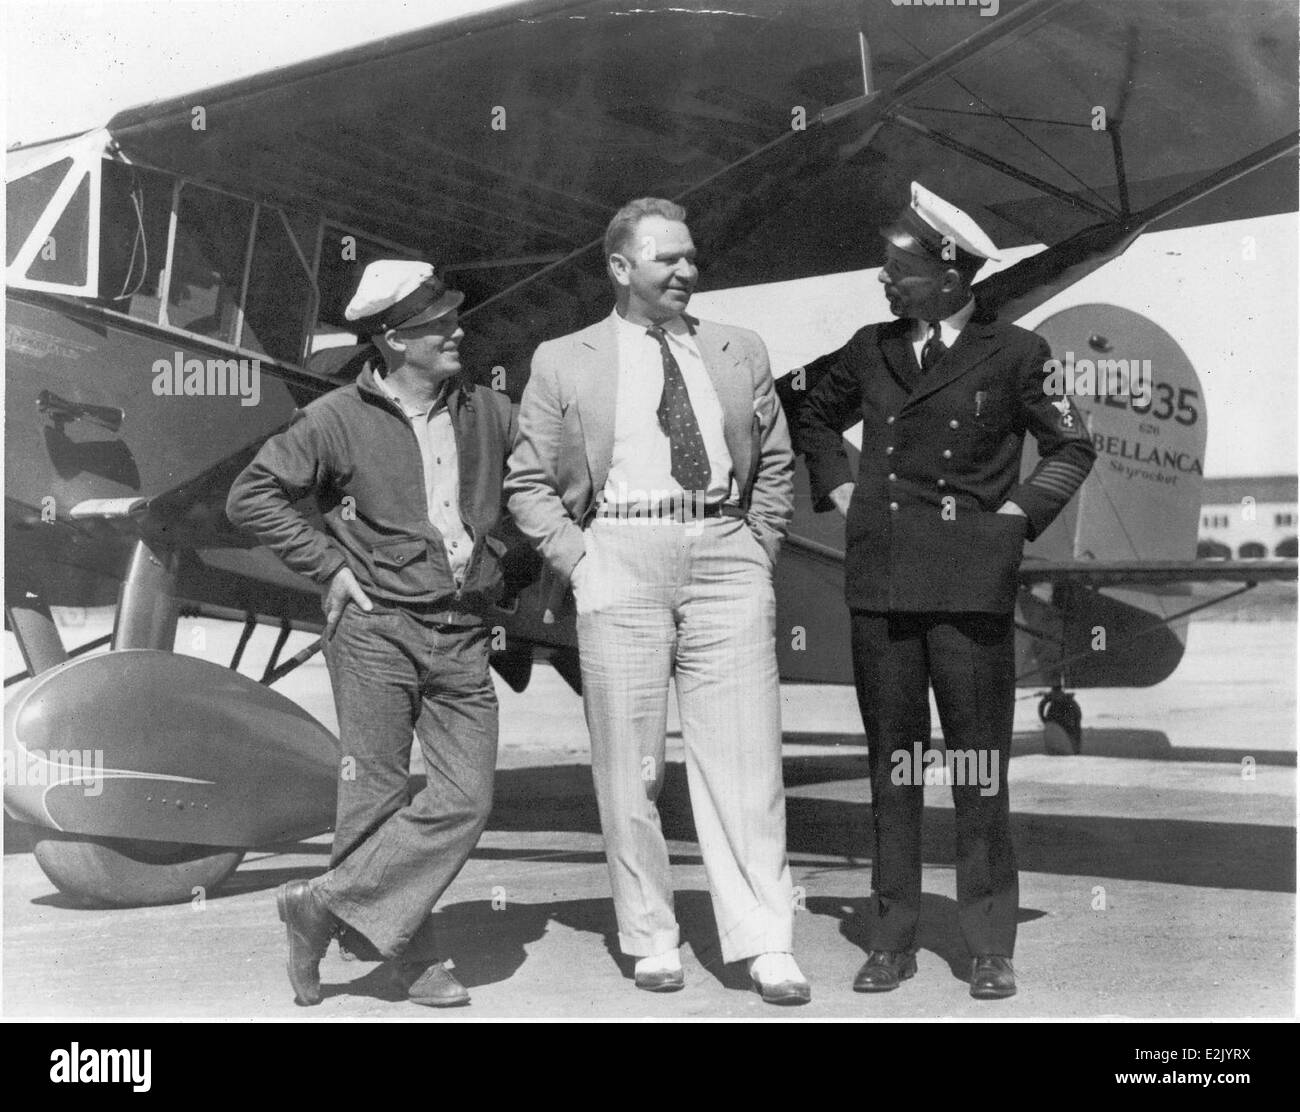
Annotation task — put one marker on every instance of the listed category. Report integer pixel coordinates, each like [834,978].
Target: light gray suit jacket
[565,443]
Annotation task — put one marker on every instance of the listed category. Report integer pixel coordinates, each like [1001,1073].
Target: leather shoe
[309,926]
[992,978]
[778,979]
[661,980]
[885,970]
[435,987]
[660,972]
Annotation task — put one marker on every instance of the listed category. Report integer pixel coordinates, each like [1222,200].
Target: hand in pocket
[579,573]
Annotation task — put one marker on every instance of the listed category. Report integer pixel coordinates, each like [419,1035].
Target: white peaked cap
[930,222]
[384,283]
[397,293]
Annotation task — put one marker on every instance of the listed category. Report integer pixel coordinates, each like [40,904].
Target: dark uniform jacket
[940,453]
[356,451]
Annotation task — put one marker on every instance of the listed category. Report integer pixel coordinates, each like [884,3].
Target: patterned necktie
[934,348]
[690,461]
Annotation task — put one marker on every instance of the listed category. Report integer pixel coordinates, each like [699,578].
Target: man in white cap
[936,524]
[406,466]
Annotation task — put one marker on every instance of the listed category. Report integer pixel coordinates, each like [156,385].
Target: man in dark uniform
[406,465]
[935,529]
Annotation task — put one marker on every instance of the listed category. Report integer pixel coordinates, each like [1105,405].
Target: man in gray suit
[653,472]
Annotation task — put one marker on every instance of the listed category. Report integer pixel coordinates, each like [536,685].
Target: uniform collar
[949,328]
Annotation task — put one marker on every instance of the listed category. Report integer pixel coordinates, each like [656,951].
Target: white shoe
[660,972]
[778,979]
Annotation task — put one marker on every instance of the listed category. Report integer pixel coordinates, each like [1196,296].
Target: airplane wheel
[125,872]
[1060,712]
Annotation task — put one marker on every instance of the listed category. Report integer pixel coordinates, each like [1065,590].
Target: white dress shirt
[640,472]
[949,329]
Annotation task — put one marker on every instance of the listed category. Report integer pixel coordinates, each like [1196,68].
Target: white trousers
[691,602]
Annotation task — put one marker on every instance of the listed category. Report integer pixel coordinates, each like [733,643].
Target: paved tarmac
[1157,878]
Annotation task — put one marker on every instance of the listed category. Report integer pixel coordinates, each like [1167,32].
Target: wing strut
[943,62]
[973,153]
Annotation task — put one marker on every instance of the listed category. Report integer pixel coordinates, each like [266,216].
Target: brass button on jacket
[923,534]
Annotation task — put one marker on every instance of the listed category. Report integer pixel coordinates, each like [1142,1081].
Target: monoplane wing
[499,144]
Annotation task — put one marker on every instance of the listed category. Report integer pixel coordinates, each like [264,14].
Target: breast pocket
[984,417]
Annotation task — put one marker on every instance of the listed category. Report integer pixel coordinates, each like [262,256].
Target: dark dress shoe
[309,926]
[661,980]
[436,988]
[885,970]
[992,978]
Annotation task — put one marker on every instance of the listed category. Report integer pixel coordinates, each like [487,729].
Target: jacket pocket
[488,571]
[401,566]
[755,458]
[398,553]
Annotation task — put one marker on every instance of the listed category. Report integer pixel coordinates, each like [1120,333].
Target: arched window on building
[1207,549]
[1252,550]
[1286,547]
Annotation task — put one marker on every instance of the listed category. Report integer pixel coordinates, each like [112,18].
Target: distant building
[1249,518]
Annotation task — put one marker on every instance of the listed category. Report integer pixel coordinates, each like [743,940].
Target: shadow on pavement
[489,944]
[1227,855]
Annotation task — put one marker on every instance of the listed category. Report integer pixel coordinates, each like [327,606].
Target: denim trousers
[395,671]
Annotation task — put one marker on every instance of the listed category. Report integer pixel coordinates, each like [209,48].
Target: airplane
[176,279]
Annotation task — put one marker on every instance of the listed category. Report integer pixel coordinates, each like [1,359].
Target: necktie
[690,461]
[934,348]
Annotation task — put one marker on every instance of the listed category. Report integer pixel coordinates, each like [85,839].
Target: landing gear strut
[1062,720]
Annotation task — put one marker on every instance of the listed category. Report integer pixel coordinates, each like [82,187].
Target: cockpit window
[62,257]
[137,208]
[171,252]
[207,267]
[279,291]
[25,200]
[52,193]
[253,292]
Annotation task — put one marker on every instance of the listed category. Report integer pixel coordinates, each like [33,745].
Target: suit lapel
[731,382]
[975,344]
[596,365]
[896,350]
